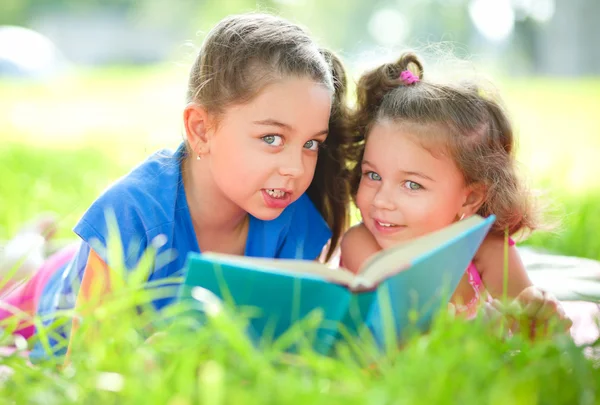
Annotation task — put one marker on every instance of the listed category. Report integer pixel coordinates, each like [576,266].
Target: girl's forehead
[398,147]
[297,103]
[419,130]
[432,138]
[387,143]
[278,95]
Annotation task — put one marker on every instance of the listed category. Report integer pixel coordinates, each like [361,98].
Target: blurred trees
[543,32]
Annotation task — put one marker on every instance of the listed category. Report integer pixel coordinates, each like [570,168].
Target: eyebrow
[406,173]
[275,123]
[419,174]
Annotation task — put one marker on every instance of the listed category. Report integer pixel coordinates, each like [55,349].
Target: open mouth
[276,197]
[275,193]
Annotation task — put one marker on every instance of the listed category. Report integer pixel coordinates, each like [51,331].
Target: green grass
[456,362]
[61,144]
[65,182]
[578,230]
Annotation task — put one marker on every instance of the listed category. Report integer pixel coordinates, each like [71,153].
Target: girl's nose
[292,165]
[384,199]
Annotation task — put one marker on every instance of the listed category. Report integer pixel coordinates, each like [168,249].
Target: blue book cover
[397,289]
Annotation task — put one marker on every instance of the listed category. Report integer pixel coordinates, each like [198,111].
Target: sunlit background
[88,88]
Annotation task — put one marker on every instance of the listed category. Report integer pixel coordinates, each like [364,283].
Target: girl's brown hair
[244,53]
[472,127]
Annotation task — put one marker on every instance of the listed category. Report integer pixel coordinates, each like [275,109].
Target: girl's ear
[196,121]
[475,197]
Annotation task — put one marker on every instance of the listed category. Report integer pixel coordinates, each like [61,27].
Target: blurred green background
[97,85]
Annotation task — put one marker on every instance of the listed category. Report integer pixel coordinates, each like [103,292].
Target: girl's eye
[312,144]
[373,176]
[273,140]
[411,185]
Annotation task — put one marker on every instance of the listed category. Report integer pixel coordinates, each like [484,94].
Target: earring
[462,216]
[198,157]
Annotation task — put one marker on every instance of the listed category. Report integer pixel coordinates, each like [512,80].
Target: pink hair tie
[408,77]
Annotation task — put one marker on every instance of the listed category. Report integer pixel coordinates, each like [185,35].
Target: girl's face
[262,155]
[405,191]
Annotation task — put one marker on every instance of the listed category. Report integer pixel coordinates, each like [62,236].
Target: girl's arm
[489,260]
[95,285]
[538,305]
[357,246]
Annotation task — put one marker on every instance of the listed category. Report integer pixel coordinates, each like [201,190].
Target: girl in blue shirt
[261,171]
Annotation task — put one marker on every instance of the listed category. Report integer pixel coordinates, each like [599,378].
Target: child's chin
[266,214]
[386,241]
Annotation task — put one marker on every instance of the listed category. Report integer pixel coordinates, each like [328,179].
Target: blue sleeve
[131,208]
[104,221]
[308,233]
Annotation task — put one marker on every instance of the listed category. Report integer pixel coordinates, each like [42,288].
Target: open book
[415,277]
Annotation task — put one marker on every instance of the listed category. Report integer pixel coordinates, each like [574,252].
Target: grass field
[454,363]
[62,143]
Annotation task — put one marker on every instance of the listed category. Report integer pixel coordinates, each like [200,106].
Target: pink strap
[477,284]
[474,278]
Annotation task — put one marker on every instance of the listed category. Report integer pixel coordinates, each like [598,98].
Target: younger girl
[435,154]
[261,171]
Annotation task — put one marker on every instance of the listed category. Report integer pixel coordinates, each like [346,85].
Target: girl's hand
[538,311]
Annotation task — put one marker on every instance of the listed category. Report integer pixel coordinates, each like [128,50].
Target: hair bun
[411,62]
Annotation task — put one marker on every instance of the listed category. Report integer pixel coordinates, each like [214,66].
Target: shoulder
[158,173]
[491,262]
[140,200]
[355,235]
[490,257]
[493,247]
[358,244]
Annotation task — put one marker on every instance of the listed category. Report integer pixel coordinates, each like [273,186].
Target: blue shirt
[148,207]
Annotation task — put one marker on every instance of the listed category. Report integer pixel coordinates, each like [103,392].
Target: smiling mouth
[387,227]
[385,224]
